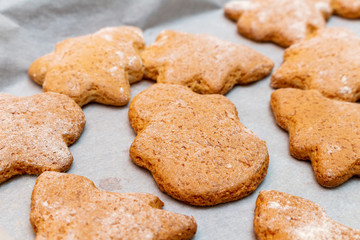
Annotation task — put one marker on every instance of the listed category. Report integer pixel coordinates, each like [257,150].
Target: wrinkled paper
[30,29]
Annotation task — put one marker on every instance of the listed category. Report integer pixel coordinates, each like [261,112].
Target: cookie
[328,61]
[195,146]
[67,206]
[35,133]
[280,215]
[93,68]
[346,8]
[202,62]
[322,130]
[280,21]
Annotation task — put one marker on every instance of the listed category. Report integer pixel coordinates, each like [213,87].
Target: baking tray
[30,29]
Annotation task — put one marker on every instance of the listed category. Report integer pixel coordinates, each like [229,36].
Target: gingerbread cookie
[202,62]
[67,206]
[280,215]
[322,130]
[280,21]
[36,132]
[346,8]
[93,68]
[328,61]
[195,146]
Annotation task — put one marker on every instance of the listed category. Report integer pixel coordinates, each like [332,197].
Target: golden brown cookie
[328,61]
[195,146]
[202,62]
[93,68]
[346,8]
[35,133]
[283,216]
[322,130]
[67,206]
[280,21]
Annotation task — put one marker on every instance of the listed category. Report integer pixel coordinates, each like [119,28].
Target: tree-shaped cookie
[93,68]
[67,206]
[328,61]
[322,130]
[282,216]
[346,8]
[195,146]
[280,21]
[35,133]
[202,62]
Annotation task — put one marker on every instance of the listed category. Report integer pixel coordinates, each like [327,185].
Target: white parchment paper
[30,29]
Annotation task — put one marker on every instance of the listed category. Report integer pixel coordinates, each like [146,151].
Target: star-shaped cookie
[328,61]
[322,130]
[280,21]
[35,133]
[346,8]
[280,215]
[67,206]
[195,146]
[202,62]
[93,68]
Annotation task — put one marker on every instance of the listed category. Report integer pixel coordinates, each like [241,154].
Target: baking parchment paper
[30,29]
